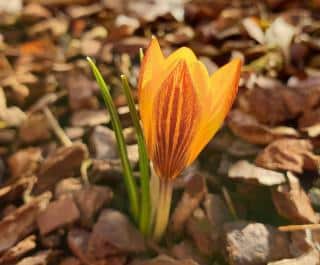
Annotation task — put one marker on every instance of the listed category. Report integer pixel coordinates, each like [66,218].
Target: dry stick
[229,202]
[288,228]
[56,127]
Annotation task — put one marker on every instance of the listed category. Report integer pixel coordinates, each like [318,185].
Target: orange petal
[215,104]
[151,67]
[176,112]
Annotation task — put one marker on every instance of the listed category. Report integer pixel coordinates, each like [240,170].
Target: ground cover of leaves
[62,197]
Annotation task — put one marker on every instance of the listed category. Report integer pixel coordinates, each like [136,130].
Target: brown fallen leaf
[22,221]
[288,154]
[113,228]
[20,249]
[63,162]
[90,200]
[51,218]
[164,260]
[248,128]
[90,118]
[42,258]
[243,170]
[293,203]
[25,162]
[192,196]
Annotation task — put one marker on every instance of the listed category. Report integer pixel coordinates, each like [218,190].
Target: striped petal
[176,113]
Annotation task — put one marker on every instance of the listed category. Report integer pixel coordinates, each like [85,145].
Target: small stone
[7,136]
[70,261]
[35,129]
[74,133]
[254,243]
[164,260]
[52,219]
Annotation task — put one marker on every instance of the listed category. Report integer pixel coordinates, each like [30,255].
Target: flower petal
[215,103]
[151,67]
[176,116]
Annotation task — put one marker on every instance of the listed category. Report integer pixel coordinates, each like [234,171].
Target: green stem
[115,121]
[145,207]
[163,209]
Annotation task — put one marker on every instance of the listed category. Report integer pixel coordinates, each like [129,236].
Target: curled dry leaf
[293,203]
[289,154]
[247,127]
[250,173]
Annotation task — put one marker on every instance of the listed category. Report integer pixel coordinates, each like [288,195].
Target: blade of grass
[115,121]
[144,222]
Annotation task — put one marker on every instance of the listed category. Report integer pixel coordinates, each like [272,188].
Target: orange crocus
[181,106]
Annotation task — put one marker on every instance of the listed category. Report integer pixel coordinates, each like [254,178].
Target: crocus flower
[181,108]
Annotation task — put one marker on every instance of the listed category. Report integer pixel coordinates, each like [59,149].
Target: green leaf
[145,209]
[115,121]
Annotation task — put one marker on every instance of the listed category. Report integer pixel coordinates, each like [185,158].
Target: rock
[34,129]
[293,203]
[22,221]
[250,173]
[288,155]
[52,219]
[89,118]
[192,196]
[113,228]
[67,187]
[310,258]
[164,260]
[25,162]
[254,243]
[63,162]
[90,200]
[103,143]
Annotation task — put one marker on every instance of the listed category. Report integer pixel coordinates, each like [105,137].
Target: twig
[84,170]
[56,127]
[229,202]
[289,228]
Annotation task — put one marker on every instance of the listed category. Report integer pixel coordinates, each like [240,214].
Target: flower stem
[163,209]
[145,207]
[115,120]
